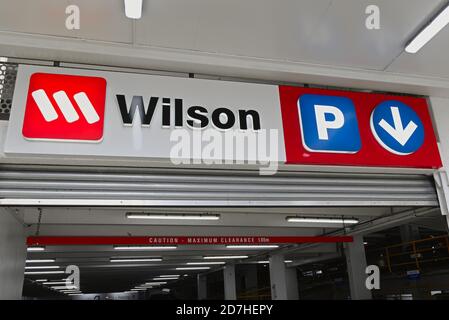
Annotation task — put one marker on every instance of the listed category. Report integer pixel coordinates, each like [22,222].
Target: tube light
[41,280]
[41,267]
[63,289]
[193,268]
[430,31]
[44,272]
[206,263]
[145,247]
[225,257]
[138,289]
[136,260]
[323,220]
[40,261]
[267,261]
[155,283]
[133,9]
[173,216]
[66,287]
[56,282]
[166,278]
[169,275]
[244,246]
[75,294]
[31,249]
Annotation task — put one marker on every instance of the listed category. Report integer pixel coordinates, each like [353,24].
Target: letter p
[324,124]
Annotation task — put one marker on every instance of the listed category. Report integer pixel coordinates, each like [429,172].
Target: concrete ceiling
[294,39]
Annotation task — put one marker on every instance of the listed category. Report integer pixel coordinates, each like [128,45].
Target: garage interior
[403,230]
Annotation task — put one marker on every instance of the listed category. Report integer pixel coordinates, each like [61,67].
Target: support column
[284,282]
[12,256]
[230,292]
[249,272]
[440,111]
[202,287]
[356,265]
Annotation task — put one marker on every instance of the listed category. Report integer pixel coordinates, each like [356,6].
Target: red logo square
[65,107]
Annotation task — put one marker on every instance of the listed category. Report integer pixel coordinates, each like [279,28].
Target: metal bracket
[442,187]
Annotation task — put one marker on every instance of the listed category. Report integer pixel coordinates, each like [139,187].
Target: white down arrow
[398,132]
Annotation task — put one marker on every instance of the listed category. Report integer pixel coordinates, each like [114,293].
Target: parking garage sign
[330,127]
[93,115]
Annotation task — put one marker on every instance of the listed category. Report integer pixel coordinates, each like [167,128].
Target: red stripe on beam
[163,240]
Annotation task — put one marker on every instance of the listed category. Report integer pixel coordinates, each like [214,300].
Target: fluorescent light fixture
[145,247]
[40,261]
[245,246]
[75,294]
[133,9]
[3,59]
[44,272]
[323,220]
[31,249]
[430,31]
[136,260]
[64,289]
[206,263]
[173,216]
[169,275]
[41,267]
[67,287]
[267,261]
[224,257]
[56,282]
[41,280]
[193,268]
[139,289]
[166,278]
[155,283]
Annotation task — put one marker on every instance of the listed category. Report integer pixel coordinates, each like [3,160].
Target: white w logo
[65,105]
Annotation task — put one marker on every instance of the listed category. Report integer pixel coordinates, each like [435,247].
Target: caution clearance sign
[182,240]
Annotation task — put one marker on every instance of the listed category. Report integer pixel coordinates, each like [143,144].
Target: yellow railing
[412,253]
[256,294]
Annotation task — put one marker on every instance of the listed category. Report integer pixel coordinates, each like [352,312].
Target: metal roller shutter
[54,185]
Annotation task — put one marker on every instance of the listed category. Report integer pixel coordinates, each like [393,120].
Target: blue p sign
[328,124]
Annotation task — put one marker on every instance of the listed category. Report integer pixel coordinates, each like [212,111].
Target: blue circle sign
[397,127]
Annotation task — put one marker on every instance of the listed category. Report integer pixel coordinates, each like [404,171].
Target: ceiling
[291,40]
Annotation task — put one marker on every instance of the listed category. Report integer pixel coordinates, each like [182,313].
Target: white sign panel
[86,113]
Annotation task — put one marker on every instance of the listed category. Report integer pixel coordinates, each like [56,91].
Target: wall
[440,113]
[12,256]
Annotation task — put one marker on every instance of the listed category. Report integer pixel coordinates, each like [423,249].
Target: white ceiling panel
[102,20]
[307,41]
[340,36]
[431,60]
[320,31]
